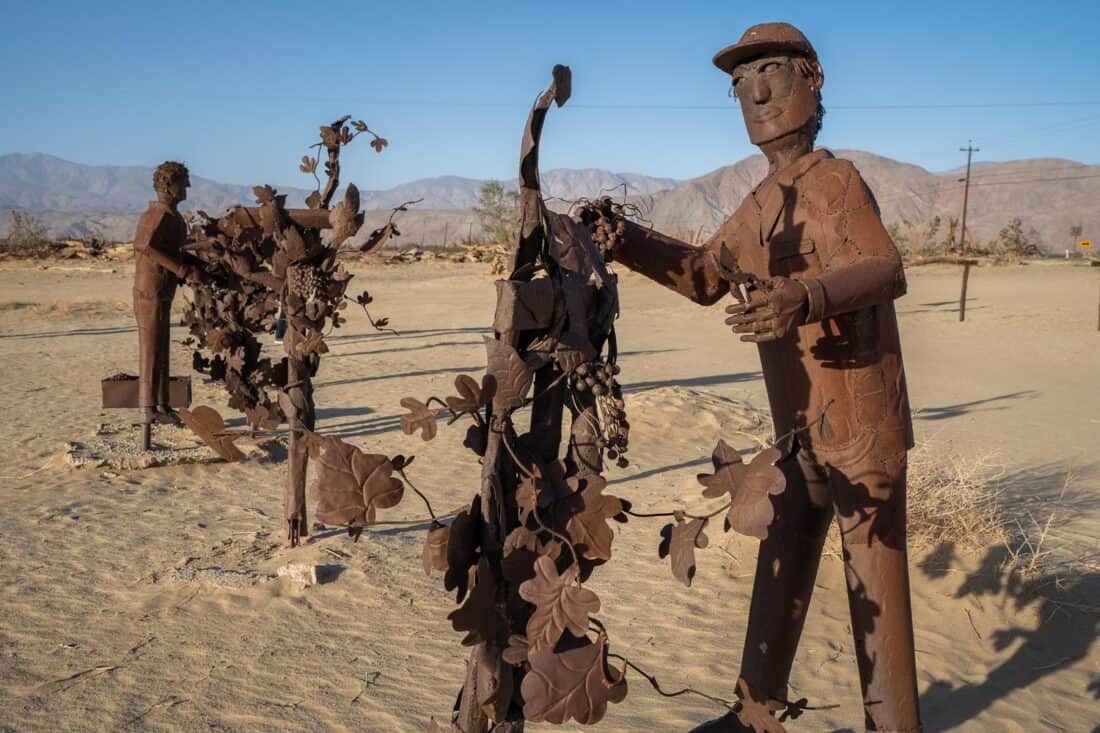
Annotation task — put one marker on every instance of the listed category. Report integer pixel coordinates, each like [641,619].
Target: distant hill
[38,182]
[1047,194]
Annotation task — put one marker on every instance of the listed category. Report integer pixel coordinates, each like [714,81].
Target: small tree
[1075,233]
[901,240]
[498,211]
[1012,240]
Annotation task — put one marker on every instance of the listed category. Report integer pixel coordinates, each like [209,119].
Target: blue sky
[237,90]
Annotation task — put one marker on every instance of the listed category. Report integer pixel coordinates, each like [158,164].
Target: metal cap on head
[763,39]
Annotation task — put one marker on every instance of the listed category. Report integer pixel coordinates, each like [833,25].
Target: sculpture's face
[776,97]
[176,190]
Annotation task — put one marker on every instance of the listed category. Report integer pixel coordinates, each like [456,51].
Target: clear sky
[236,90]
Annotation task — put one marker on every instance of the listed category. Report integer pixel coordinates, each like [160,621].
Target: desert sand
[112,619]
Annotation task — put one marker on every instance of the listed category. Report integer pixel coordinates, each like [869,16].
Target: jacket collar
[772,197]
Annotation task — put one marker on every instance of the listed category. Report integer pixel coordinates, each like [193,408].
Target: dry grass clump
[955,498]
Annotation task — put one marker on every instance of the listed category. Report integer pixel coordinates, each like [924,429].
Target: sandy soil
[99,629]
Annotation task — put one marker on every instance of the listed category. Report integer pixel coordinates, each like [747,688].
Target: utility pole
[969,150]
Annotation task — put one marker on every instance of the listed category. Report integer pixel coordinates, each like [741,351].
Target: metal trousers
[153,315]
[868,498]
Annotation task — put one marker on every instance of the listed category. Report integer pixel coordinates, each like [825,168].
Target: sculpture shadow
[399,349]
[106,331]
[946,412]
[407,334]
[476,369]
[708,381]
[1065,598]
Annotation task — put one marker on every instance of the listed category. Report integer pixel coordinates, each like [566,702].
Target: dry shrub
[955,498]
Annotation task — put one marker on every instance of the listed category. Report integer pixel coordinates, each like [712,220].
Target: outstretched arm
[690,271]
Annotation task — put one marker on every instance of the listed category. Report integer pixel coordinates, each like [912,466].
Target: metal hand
[771,312]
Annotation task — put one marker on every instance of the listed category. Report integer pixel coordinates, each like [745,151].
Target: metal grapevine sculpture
[519,555]
[255,263]
[815,274]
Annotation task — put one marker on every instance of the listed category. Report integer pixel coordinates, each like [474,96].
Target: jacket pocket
[792,253]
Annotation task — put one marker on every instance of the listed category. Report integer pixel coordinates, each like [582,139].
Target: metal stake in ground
[965,281]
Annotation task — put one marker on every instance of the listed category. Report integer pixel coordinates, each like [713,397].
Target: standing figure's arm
[865,270]
[690,271]
[152,230]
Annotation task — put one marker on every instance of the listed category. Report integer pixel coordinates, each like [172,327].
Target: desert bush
[498,211]
[27,234]
[1013,240]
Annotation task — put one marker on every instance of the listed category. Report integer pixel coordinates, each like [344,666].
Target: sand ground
[95,634]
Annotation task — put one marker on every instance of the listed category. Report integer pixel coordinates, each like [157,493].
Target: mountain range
[1049,195]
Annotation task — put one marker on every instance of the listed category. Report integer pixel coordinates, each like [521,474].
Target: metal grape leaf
[477,438]
[462,548]
[419,418]
[471,397]
[206,423]
[350,485]
[510,373]
[749,487]
[264,417]
[679,541]
[312,344]
[435,549]
[560,604]
[757,716]
[379,144]
[517,650]
[576,684]
[588,528]
[479,616]
[377,239]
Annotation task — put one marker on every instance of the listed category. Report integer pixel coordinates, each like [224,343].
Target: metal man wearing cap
[821,274]
[158,265]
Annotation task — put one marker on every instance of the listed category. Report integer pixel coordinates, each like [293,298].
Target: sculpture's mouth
[767,113]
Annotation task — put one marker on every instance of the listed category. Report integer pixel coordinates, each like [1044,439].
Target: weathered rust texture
[121,391]
[159,264]
[815,275]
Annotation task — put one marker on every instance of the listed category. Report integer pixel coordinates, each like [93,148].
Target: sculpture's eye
[769,67]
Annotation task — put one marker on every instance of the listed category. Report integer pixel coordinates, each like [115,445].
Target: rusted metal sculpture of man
[158,266]
[815,274]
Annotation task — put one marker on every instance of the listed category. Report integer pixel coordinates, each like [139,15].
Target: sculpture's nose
[761,91]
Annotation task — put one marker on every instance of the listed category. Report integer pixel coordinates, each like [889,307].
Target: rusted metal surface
[122,391]
[159,265]
[814,273]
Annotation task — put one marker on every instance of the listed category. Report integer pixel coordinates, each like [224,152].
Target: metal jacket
[841,372]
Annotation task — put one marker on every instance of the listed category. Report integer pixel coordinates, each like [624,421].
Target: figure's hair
[811,69]
[166,173]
